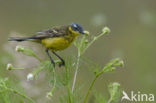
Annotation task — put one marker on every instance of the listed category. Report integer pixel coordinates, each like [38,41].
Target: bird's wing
[54,32]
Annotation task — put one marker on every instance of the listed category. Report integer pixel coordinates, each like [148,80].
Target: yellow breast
[56,43]
[60,43]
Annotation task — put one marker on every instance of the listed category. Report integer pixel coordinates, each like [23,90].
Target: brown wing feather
[54,32]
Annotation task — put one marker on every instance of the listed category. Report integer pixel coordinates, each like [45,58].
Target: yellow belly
[56,43]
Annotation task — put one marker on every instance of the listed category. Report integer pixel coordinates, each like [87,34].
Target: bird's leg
[51,59]
[62,61]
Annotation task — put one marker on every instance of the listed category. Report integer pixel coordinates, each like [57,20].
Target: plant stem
[37,58]
[91,85]
[94,39]
[109,101]
[89,89]
[110,65]
[18,69]
[75,74]
[54,77]
[82,52]
[24,96]
[69,94]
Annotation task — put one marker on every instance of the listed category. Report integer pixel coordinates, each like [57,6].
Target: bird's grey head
[77,28]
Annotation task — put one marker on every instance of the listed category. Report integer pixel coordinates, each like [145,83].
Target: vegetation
[11,92]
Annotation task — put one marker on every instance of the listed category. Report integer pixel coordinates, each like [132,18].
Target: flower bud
[9,67]
[19,49]
[25,51]
[121,63]
[113,90]
[118,62]
[86,41]
[86,33]
[49,95]
[115,84]
[106,30]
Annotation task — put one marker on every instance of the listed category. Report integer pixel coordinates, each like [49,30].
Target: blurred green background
[132,37]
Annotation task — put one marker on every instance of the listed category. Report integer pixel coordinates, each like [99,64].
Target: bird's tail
[20,39]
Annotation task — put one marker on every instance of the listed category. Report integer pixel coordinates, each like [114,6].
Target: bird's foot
[61,64]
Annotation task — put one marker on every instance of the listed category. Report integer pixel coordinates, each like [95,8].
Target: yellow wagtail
[54,39]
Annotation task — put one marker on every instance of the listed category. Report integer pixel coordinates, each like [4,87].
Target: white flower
[30,76]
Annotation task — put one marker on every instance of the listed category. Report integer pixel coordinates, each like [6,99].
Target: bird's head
[76,29]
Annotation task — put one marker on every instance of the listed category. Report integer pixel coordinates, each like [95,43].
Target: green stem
[68,85]
[115,62]
[20,94]
[80,52]
[69,94]
[76,70]
[89,89]
[94,39]
[35,56]
[109,101]
[77,63]
[18,69]
[91,86]
[54,85]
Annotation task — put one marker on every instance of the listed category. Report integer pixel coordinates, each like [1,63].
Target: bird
[54,39]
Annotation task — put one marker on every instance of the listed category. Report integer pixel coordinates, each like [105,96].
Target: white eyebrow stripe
[75,25]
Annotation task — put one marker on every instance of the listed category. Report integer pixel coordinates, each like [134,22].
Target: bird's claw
[61,64]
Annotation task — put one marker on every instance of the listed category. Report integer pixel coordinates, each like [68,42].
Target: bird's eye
[76,28]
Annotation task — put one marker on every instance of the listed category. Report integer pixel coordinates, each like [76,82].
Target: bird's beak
[82,32]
